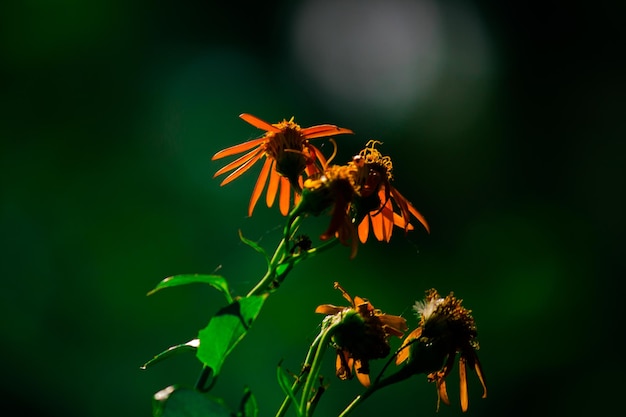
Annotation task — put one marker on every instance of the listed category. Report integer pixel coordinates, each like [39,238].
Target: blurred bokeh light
[504,122]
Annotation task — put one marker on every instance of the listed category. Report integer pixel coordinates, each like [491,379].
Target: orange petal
[239,161]
[260,184]
[364,379]
[377,227]
[321,131]
[261,124]
[329,309]
[364,229]
[343,365]
[463,384]
[243,168]
[406,207]
[242,147]
[403,352]
[394,322]
[285,191]
[481,377]
[272,187]
[442,392]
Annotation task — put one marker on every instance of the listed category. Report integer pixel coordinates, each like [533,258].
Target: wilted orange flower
[377,197]
[446,328]
[333,188]
[362,335]
[288,153]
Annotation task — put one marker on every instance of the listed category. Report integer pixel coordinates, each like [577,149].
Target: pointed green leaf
[249,406]
[215,281]
[175,401]
[184,347]
[285,384]
[255,246]
[225,329]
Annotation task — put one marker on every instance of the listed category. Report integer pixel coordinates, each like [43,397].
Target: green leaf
[285,384]
[185,347]
[248,406]
[215,281]
[225,329]
[255,246]
[175,401]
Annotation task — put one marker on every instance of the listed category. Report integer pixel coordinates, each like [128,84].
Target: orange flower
[288,153]
[362,335]
[377,197]
[446,328]
[332,188]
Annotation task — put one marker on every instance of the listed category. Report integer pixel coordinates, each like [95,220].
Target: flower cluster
[445,329]
[288,155]
[362,333]
[359,194]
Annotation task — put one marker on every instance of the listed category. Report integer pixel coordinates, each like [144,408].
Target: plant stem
[325,336]
[305,371]
[401,375]
[279,257]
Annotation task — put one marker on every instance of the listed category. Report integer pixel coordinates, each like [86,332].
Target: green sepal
[215,281]
[173,350]
[176,401]
[248,406]
[225,329]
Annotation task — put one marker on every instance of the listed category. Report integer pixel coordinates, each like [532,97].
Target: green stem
[280,255]
[401,375]
[326,334]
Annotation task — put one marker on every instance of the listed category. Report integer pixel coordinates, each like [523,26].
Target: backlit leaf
[215,281]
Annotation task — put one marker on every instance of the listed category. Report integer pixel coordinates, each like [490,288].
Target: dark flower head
[445,329]
[361,335]
[288,156]
[334,189]
[378,202]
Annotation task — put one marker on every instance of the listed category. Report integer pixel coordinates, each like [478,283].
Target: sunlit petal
[463,384]
[243,168]
[364,229]
[285,191]
[272,188]
[260,184]
[403,352]
[242,147]
[261,124]
[239,161]
[320,131]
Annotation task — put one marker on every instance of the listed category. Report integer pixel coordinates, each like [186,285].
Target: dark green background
[110,112]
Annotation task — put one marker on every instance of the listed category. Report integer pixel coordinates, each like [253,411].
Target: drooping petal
[261,124]
[406,207]
[377,227]
[364,229]
[237,162]
[243,168]
[364,378]
[479,372]
[242,147]
[272,187]
[403,352]
[260,184]
[463,384]
[343,365]
[285,191]
[442,392]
